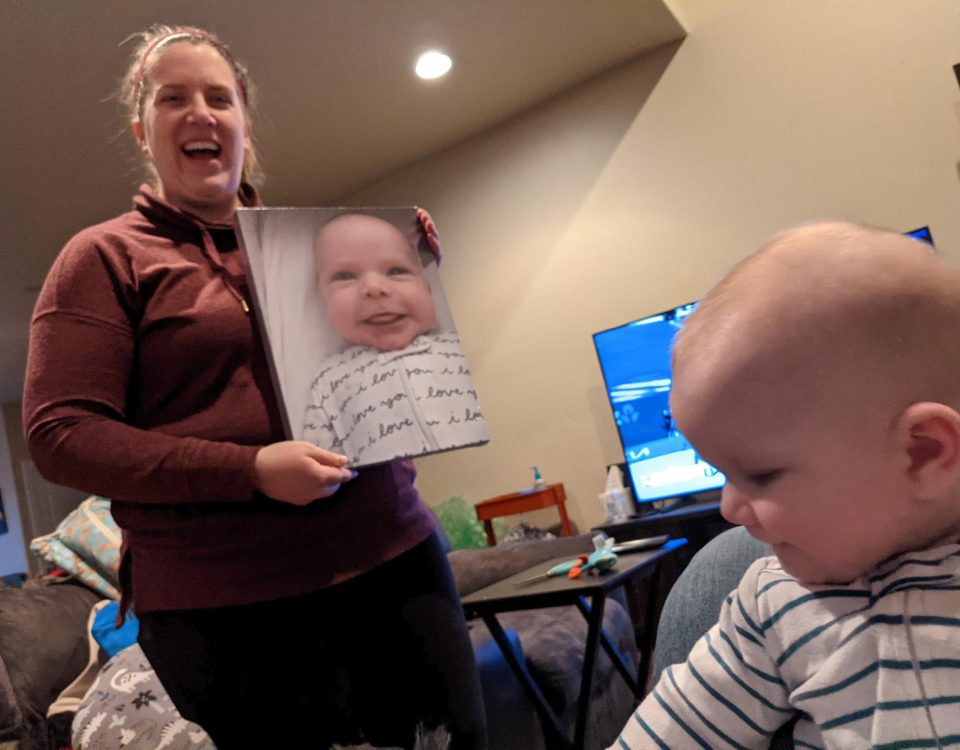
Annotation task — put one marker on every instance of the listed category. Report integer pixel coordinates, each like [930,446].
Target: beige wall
[632,193]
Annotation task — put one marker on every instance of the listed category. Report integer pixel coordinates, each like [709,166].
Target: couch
[43,647]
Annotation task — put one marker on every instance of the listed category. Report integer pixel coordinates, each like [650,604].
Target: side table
[513,594]
[697,523]
[523,502]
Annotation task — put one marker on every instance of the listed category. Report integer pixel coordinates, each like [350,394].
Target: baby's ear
[931,434]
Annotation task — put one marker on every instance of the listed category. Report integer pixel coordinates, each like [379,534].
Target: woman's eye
[170,98]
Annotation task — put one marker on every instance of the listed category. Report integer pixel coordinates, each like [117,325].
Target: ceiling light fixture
[433,64]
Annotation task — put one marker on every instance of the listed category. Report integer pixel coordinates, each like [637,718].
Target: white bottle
[615,499]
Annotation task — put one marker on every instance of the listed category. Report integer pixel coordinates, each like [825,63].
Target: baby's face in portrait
[372,282]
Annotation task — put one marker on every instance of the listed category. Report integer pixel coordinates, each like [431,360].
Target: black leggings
[367,659]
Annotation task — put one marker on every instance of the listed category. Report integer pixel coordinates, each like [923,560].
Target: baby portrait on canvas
[366,357]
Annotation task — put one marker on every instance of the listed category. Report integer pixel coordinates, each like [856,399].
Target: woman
[284,600]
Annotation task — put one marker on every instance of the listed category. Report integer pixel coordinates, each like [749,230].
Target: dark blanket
[43,647]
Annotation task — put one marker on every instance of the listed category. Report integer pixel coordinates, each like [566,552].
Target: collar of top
[155,208]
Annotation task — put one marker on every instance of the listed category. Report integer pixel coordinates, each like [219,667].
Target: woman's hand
[297,472]
[430,231]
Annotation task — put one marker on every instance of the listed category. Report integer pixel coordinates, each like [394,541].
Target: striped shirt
[874,663]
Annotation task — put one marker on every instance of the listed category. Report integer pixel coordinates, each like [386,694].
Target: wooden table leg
[564,519]
[491,537]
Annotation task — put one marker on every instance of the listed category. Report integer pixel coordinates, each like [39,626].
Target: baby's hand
[297,472]
[430,231]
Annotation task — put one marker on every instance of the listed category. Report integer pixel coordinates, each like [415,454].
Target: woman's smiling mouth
[201,149]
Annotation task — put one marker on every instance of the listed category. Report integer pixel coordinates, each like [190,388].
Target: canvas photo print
[364,352]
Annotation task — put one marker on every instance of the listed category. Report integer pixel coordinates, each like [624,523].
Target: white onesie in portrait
[375,406]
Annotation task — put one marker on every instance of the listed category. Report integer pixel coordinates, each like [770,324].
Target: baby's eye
[342,276]
[764,478]
[398,271]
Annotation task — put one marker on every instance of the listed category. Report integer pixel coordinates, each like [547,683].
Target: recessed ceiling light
[433,64]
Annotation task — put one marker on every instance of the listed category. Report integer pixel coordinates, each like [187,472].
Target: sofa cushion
[553,640]
[43,647]
[512,720]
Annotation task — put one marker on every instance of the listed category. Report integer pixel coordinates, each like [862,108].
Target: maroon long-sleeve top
[147,384]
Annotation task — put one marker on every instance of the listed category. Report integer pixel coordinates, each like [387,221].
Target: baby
[403,389]
[822,377]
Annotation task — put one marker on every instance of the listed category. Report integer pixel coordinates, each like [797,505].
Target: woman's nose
[200,111]
[735,506]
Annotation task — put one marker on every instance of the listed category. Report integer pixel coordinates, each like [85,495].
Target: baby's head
[372,282]
[822,376]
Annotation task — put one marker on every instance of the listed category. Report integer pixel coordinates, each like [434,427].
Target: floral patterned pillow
[86,544]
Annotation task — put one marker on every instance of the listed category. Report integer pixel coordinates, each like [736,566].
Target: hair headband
[188,33]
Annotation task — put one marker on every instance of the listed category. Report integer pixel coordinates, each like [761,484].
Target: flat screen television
[923,234]
[635,361]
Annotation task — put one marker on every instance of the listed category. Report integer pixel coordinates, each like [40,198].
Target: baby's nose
[374,285]
[735,506]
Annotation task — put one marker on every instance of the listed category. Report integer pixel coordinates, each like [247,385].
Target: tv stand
[695,517]
[693,503]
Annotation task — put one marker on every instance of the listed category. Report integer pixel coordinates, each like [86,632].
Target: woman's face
[194,130]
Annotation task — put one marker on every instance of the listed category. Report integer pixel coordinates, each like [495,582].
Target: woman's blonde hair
[133,87]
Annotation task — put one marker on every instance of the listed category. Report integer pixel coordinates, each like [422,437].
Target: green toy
[460,523]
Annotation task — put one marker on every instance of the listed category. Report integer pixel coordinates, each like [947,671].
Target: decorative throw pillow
[86,544]
[524,532]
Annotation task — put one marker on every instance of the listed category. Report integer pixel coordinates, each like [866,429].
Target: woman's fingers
[430,231]
[298,472]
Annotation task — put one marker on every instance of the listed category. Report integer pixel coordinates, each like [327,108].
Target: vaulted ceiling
[339,105]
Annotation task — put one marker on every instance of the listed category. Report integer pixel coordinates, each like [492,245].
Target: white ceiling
[339,105]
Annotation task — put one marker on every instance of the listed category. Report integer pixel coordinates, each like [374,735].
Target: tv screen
[923,234]
[635,361]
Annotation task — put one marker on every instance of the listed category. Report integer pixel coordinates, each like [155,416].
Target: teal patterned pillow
[86,544]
